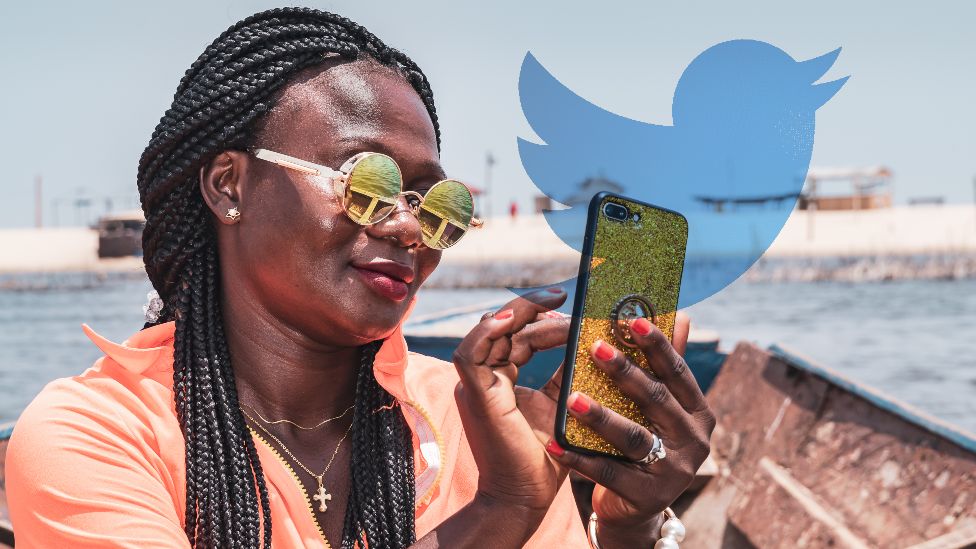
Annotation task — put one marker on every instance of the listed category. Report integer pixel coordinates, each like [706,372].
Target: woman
[273,401]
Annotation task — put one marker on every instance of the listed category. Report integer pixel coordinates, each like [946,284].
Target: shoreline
[899,243]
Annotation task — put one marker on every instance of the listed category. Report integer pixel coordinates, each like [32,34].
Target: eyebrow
[361,144]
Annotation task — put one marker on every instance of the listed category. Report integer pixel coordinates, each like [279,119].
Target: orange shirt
[97,460]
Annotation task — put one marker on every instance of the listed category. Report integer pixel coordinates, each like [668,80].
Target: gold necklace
[316,426]
[320,494]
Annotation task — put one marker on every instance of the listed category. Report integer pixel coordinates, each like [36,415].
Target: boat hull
[809,458]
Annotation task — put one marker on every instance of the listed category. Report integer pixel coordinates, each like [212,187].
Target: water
[913,340]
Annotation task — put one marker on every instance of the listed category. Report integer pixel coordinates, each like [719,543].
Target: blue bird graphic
[733,162]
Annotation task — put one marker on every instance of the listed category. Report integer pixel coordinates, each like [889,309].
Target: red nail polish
[580,404]
[504,315]
[641,326]
[554,290]
[604,351]
[554,448]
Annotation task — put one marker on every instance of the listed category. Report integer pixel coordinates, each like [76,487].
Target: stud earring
[233,214]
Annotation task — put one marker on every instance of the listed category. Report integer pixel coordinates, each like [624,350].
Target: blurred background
[873,276]
[879,282]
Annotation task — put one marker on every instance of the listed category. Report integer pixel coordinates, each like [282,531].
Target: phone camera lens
[616,212]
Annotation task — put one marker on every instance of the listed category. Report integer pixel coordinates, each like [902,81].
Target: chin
[375,317]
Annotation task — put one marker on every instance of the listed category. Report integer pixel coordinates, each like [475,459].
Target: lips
[385,277]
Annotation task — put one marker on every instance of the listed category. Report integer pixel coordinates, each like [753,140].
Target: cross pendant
[322,496]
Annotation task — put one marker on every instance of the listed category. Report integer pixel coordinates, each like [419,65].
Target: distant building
[589,187]
[120,234]
[585,191]
[542,203]
[723,203]
[859,189]
[867,188]
[926,201]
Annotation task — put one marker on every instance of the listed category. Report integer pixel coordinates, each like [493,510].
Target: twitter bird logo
[733,162]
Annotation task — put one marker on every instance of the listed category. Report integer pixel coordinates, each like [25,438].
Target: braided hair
[219,105]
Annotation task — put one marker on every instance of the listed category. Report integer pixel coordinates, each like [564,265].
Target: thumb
[682,326]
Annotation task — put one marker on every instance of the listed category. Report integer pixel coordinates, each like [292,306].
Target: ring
[656,453]
[487,315]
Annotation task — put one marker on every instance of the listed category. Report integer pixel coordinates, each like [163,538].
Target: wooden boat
[6,530]
[438,334]
[809,458]
[801,456]
[120,235]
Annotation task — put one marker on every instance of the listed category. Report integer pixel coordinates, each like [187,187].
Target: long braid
[218,105]
[381,505]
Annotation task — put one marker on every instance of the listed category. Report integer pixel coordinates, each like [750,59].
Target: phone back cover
[643,258]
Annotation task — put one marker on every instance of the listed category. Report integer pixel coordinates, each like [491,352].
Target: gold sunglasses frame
[340,178]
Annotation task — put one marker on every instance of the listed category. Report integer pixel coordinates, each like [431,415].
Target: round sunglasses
[369,186]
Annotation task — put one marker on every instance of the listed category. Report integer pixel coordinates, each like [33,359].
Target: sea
[913,340]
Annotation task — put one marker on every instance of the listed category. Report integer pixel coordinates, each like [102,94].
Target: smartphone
[633,257]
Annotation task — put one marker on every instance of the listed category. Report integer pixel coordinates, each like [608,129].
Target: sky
[84,83]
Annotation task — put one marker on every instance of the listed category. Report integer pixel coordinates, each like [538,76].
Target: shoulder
[95,415]
[67,413]
[105,416]
[83,446]
[121,404]
[123,401]
[106,397]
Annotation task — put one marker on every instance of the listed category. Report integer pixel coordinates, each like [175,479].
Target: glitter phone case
[630,267]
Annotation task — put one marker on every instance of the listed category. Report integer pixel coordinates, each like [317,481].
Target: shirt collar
[140,351]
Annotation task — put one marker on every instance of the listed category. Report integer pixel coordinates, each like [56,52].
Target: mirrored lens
[445,214]
[372,189]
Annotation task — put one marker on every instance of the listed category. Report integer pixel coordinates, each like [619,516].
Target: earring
[233,214]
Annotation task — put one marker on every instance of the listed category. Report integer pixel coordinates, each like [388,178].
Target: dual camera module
[619,213]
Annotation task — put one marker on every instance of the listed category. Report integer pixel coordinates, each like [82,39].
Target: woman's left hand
[629,496]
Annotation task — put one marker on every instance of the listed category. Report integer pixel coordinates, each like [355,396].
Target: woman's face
[308,264]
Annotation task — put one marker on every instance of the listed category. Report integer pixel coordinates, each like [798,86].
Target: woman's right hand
[514,470]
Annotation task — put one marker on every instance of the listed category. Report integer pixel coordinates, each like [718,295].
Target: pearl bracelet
[672,531]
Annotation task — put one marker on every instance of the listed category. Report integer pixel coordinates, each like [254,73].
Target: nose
[401,225]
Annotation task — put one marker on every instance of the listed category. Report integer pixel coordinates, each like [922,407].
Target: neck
[283,374]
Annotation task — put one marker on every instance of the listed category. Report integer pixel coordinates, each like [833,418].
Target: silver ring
[656,453]
[487,315]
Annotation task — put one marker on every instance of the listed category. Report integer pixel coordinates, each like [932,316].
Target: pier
[901,242]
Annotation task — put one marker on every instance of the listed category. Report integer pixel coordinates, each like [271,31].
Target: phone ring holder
[630,308]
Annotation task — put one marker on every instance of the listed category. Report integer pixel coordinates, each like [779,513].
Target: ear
[221,184]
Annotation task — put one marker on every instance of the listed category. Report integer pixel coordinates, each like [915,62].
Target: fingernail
[580,404]
[555,290]
[504,315]
[554,448]
[641,326]
[553,314]
[604,351]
